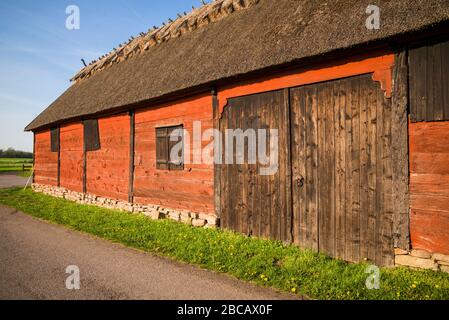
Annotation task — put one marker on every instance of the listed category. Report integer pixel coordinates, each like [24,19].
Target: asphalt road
[34,256]
[11,180]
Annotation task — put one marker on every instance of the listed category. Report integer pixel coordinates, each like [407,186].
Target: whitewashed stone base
[152,211]
[422,259]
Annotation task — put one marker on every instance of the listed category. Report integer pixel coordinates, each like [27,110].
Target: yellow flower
[413,285]
[294,290]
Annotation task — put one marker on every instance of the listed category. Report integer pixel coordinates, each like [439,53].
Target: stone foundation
[153,211]
[422,259]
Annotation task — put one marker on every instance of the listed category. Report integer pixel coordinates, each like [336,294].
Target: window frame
[55,138]
[91,133]
[164,145]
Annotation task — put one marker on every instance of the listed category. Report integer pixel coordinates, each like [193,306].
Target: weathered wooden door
[341,164]
[333,191]
[252,203]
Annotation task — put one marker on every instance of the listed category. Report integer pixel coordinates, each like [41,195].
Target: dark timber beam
[59,157]
[217,166]
[84,162]
[34,157]
[288,163]
[132,130]
[400,150]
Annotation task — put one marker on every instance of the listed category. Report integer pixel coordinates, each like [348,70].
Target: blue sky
[38,55]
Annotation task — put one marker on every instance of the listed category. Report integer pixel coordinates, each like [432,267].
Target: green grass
[15,161]
[264,262]
[13,164]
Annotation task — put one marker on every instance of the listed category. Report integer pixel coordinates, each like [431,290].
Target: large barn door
[252,203]
[341,162]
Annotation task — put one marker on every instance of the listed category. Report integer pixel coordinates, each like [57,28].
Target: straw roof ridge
[186,22]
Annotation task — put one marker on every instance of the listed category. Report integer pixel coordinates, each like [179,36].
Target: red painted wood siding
[72,157]
[429,186]
[190,189]
[46,162]
[108,168]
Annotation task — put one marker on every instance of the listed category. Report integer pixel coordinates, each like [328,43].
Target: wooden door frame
[379,64]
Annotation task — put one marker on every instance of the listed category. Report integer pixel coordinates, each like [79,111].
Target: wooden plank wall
[251,203]
[429,81]
[46,162]
[429,186]
[107,170]
[71,144]
[190,189]
[342,148]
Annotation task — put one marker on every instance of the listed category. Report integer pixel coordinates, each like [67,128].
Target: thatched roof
[187,22]
[259,35]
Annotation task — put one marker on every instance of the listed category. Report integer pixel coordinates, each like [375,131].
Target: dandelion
[413,286]
[294,290]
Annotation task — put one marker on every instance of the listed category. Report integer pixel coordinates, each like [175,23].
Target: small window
[91,135]
[166,139]
[54,134]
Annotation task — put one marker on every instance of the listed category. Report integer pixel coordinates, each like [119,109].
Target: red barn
[358,113]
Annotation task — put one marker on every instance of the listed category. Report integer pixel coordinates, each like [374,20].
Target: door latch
[300,182]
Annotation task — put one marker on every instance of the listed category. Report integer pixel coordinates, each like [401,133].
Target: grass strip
[264,262]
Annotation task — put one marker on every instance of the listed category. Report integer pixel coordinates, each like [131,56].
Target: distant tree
[12,153]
